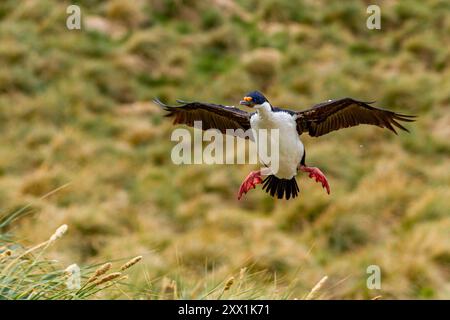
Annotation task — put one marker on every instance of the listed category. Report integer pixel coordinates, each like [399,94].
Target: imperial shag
[316,121]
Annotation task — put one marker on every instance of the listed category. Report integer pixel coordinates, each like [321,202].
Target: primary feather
[213,116]
[347,112]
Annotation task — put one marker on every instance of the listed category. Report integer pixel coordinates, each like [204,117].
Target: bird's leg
[315,173]
[250,182]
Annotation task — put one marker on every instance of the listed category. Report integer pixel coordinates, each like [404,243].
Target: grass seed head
[58,233]
[242,273]
[228,284]
[103,269]
[131,263]
[100,271]
[72,269]
[5,254]
[107,278]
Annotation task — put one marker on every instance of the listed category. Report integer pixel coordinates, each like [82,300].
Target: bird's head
[253,99]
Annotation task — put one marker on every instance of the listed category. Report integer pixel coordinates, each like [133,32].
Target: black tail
[281,187]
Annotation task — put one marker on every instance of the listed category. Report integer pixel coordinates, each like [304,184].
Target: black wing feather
[213,116]
[333,115]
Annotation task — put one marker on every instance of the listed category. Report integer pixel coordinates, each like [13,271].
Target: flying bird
[318,120]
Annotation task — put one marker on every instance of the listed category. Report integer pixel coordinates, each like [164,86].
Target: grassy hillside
[75,108]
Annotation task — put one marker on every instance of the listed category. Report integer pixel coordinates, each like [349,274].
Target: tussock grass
[27,274]
[75,107]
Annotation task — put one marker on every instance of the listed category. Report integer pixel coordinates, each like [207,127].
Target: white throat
[264,110]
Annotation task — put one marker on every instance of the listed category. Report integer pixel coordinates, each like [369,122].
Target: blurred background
[75,107]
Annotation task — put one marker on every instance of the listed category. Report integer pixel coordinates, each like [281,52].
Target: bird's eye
[248,98]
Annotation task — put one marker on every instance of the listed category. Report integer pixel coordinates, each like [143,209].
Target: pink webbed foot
[315,173]
[250,182]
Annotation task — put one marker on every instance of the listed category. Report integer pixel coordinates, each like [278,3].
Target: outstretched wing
[347,112]
[212,116]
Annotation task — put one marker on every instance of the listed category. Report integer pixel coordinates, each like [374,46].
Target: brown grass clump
[75,107]
[128,13]
[263,65]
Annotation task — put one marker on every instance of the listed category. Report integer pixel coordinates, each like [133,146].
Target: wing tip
[405,117]
[158,102]
[163,106]
[400,117]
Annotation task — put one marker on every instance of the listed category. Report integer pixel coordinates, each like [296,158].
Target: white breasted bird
[316,121]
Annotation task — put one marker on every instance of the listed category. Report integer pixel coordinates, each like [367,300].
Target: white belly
[290,147]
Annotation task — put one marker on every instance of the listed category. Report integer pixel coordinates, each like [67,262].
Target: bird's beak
[247,101]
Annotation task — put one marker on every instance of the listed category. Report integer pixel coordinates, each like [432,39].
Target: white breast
[290,147]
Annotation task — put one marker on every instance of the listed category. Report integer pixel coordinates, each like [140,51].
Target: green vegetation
[25,273]
[75,108]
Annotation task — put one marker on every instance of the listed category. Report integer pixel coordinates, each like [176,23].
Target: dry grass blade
[169,289]
[313,293]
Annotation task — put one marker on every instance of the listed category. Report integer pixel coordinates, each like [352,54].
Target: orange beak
[247,101]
